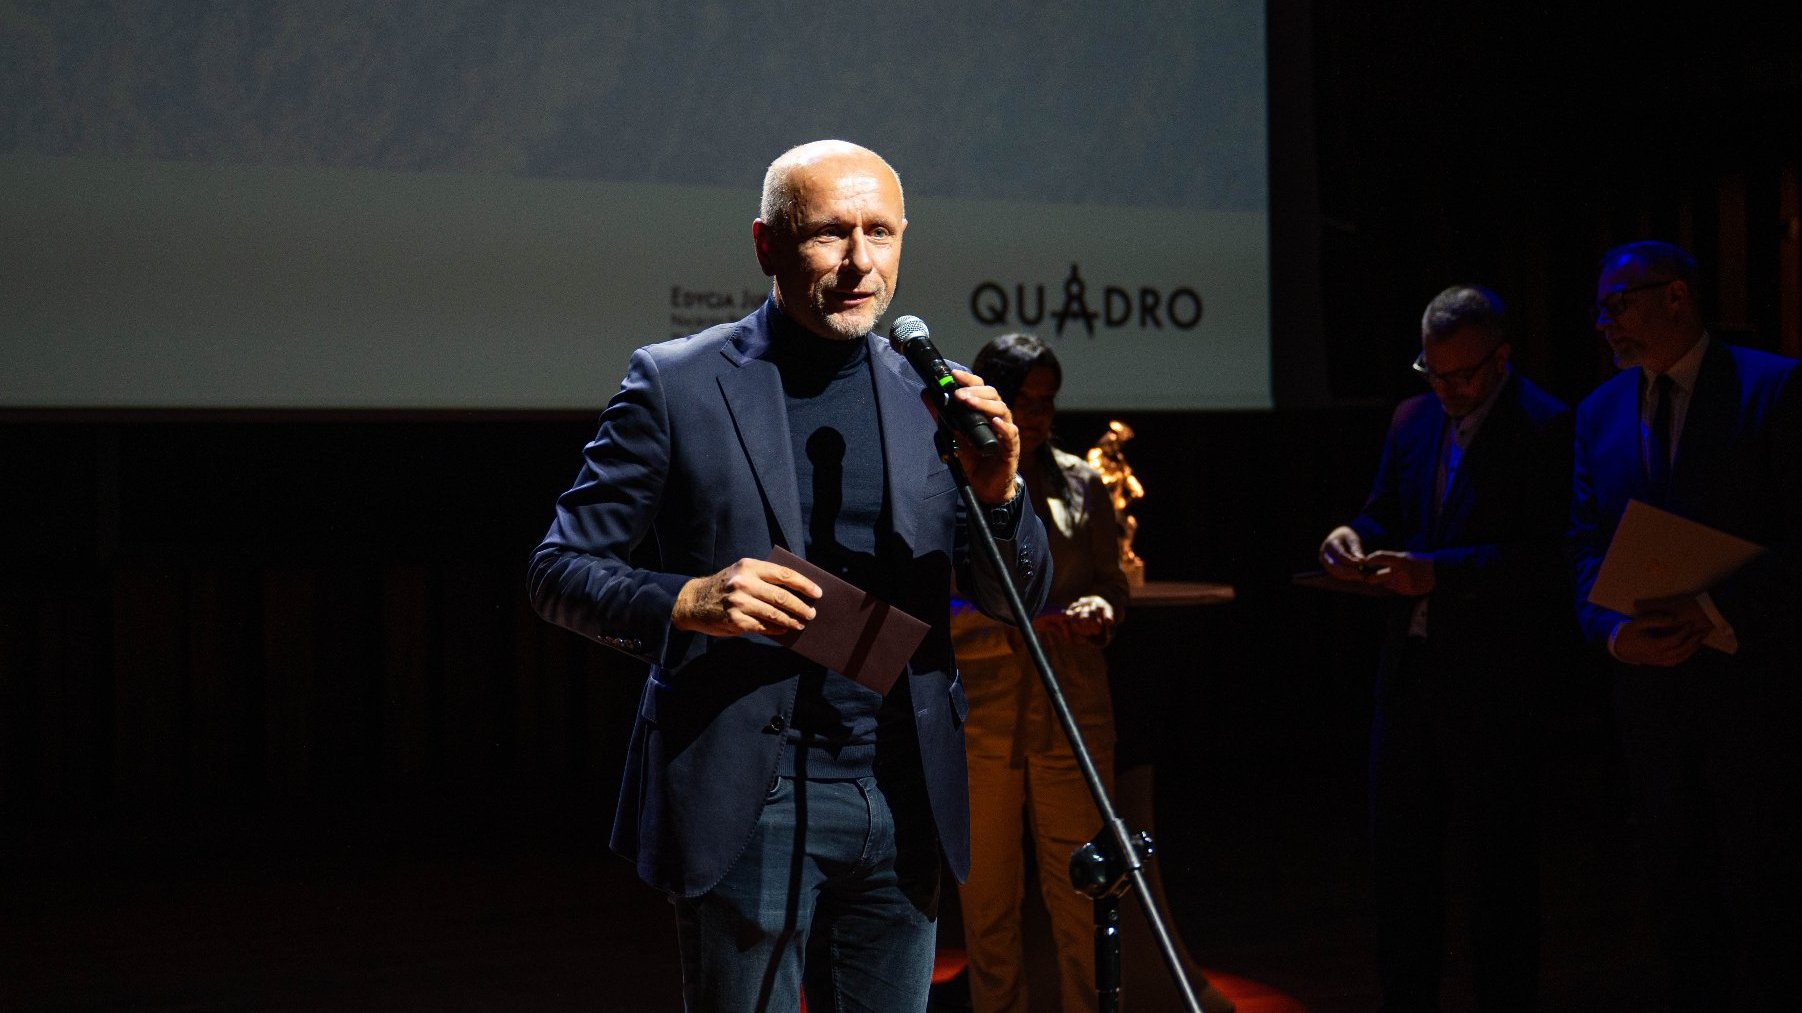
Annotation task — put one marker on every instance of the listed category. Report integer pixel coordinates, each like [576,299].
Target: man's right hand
[1343,555]
[750,596]
[1664,634]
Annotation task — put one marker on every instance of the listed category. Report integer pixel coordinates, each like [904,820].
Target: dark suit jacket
[692,470]
[1738,468]
[1498,579]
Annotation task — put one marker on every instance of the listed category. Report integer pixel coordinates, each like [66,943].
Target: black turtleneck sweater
[837,442]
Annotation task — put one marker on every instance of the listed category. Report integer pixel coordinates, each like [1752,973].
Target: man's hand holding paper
[851,631]
[1657,565]
[1662,631]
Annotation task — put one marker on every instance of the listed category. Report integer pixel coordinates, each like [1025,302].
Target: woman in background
[1023,773]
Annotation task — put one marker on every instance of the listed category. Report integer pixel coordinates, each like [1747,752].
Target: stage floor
[513,906]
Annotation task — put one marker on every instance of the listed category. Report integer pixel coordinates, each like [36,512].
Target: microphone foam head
[906,329]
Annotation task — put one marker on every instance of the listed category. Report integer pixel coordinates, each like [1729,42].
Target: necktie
[1442,477]
[1658,441]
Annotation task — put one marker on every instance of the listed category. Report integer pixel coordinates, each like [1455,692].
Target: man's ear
[1675,295]
[762,238]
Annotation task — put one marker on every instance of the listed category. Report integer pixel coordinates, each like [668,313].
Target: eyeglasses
[1455,377]
[1612,305]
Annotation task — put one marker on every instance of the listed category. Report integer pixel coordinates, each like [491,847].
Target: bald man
[796,816]
[1711,432]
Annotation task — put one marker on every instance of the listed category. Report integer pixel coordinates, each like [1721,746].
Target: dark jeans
[836,892]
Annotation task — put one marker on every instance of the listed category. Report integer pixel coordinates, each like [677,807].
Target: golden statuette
[1108,456]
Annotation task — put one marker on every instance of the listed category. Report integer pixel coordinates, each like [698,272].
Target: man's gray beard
[841,333]
[847,334]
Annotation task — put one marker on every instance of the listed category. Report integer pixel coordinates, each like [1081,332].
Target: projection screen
[487,205]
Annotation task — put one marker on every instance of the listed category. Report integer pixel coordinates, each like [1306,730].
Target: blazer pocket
[938,483]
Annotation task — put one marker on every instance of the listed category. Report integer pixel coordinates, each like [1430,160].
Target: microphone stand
[1114,861]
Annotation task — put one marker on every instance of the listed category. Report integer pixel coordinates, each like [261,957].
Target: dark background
[277,727]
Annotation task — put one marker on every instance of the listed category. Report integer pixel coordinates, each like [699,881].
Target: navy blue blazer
[691,471]
[1738,468]
[1498,578]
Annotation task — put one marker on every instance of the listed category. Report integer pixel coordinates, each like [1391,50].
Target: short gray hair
[1464,306]
[777,208]
[1663,261]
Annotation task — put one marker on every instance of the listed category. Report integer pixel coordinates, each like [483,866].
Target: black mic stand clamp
[1100,870]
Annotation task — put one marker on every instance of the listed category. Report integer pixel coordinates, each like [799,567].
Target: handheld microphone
[912,340]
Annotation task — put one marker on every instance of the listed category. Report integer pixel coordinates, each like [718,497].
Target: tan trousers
[1024,781]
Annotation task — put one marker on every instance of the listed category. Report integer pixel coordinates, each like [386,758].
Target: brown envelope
[1655,553]
[1321,580]
[852,632]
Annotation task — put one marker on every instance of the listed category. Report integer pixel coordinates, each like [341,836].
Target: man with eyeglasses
[1462,527]
[1711,432]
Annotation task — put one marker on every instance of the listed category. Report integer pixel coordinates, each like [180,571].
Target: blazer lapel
[905,425]
[1619,453]
[1429,505]
[1707,425]
[754,398]
[1499,428]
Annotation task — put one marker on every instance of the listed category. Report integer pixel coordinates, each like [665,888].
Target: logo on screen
[1120,307]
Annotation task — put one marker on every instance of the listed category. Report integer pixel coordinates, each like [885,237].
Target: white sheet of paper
[1656,553]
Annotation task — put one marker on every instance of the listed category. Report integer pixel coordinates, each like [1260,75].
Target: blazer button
[776,725]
